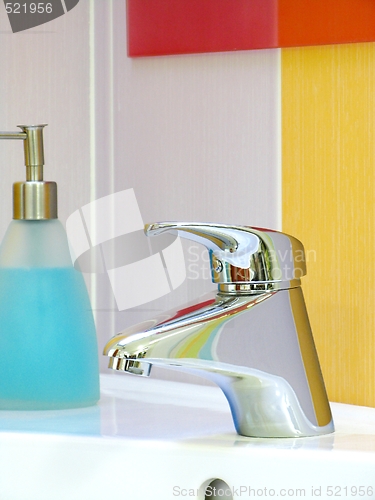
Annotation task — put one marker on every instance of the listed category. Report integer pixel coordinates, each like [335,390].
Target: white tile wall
[197,137]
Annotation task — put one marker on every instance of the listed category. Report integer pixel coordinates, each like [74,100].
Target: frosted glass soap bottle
[48,346]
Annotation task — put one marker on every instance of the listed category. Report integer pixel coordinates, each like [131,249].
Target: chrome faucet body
[252,338]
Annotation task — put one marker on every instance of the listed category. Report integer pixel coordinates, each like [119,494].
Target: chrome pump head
[35,198]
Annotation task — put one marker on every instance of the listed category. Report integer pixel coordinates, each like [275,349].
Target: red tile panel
[159,27]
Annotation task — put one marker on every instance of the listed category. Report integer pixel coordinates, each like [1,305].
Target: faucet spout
[271,379]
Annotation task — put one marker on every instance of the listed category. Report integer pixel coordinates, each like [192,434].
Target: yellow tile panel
[328,151]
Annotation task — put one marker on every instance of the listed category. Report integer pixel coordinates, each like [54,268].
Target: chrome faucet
[252,338]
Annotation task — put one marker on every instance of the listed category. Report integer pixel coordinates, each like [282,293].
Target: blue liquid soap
[48,346]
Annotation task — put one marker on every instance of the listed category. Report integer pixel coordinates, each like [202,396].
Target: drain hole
[217,488]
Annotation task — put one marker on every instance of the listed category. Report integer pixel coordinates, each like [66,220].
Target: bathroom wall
[196,137]
[45,78]
[328,150]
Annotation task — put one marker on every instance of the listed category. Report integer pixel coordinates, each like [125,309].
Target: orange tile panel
[325,22]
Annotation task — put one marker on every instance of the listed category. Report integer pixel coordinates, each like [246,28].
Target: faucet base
[272,379]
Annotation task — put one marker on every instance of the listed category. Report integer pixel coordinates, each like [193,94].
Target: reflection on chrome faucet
[252,338]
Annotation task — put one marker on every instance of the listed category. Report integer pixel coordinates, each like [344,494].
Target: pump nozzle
[34,152]
[34,199]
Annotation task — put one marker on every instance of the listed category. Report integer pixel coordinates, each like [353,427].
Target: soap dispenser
[48,346]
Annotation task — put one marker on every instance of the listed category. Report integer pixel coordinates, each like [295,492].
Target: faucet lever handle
[243,254]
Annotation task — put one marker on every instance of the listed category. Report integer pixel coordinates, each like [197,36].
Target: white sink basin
[153,439]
